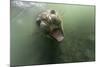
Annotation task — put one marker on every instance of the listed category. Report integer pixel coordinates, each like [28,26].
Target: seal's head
[50,22]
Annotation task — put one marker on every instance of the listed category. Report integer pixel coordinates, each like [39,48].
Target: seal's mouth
[57,34]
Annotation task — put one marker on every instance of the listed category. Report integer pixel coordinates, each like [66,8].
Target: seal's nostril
[56,29]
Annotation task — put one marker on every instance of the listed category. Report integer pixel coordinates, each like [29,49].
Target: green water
[29,46]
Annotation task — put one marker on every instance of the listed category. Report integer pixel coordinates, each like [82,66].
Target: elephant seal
[50,22]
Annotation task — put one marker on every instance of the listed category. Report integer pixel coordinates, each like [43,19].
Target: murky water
[29,46]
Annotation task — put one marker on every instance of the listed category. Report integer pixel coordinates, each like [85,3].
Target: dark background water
[30,46]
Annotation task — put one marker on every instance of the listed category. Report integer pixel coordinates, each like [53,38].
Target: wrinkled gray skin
[50,23]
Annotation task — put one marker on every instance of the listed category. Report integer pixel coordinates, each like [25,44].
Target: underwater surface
[29,46]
